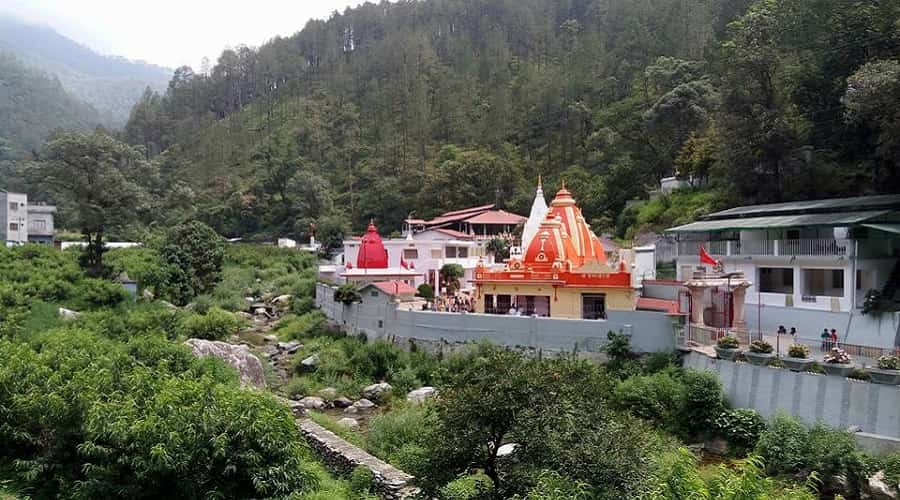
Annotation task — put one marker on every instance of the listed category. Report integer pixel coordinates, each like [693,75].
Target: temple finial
[563,182]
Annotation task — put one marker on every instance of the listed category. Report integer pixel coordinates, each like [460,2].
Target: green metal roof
[827,219]
[888,228]
[858,203]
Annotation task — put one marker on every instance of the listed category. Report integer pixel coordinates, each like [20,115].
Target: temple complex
[563,271]
[372,262]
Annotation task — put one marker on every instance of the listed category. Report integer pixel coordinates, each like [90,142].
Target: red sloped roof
[666,306]
[482,208]
[497,217]
[395,288]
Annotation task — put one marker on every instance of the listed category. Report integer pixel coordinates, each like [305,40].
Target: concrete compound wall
[836,401]
[649,331]
[854,328]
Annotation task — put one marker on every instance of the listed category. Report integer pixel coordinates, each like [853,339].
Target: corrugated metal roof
[829,205]
[827,219]
[888,228]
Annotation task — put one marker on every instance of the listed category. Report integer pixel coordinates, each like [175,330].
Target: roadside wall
[649,331]
[837,401]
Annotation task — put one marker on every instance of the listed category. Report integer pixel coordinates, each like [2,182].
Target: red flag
[403,263]
[706,259]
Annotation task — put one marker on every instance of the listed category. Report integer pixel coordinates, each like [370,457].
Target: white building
[810,263]
[14,218]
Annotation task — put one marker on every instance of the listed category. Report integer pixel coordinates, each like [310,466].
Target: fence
[814,247]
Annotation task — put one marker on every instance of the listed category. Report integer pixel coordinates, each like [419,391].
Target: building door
[504,302]
[593,306]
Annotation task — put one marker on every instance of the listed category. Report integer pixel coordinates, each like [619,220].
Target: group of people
[455,303]
[829,337]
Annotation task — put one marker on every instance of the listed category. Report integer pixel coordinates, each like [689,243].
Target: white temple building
[539,210]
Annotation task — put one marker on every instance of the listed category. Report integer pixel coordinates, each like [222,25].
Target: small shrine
[372,263]
[717,297]
[562,273]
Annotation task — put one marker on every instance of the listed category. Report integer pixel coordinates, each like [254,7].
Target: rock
[250,299]
[309,364]
[854,428]
[351,410]
[168,304]
[146,294]
[261,311]
[282,299]
[420,395]
[238,356]
[716,446]
[877,488]
[507,449]
[289,347]
[376,391]
[243,315]
[270,338]
[312,403]
[328,393]
[348,422]
[363,405]
[68,313]
[341,402]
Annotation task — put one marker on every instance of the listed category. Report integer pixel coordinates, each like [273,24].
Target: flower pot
[797,364]
[728,354]
[888,377]
[839,369]
[759,358]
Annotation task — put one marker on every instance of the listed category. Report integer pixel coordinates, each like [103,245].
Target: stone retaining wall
[341,458]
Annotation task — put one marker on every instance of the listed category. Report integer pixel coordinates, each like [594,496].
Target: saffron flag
[403,263]
[705,258]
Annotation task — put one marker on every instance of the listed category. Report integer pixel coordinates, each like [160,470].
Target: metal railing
[813,247]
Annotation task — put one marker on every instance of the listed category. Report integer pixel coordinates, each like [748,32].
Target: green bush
[194,252]
[94,293]
[889,362]
[761,347]
[470,487]
[703,401]
[728,342]
[302,305]
[216,324]
[298,387]
[798,351]
[361,479]
[310,324]
[656,398]
[400,437]
[347,294]
[741,427]
[783,446]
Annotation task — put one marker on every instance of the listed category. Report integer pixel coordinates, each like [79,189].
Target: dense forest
[32,105]
[110,84]
[438,104]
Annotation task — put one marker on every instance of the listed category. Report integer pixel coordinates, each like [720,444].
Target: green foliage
[193,253]
[656,398]
[450,275]
[678,207]
[798,351]
[401,437]
[703,400]
[310,324]
[889,362]
[499,248]
[347,294]
[761,347]
[361,479]
[476,486]
[741,427]
[216,324]
[727,342]
[94,293]
[425,291]
[552,486]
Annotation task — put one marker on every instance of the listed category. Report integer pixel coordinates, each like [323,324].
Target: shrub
[741,427]
[783,446]
[361,479]
[196,252]
[425,291]
[798,351]
[95,293]
[889,362]
[728,342]
[298,387]
[347,294]
[216,324]
[703,400]
[471,487]
[859,374]
[400,437]
[659,361]
[761,347]
[302,305]
[552,486]
[376,360]
[837,355]
[655,398]
[310,324]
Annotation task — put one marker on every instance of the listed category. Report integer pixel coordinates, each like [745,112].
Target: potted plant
[888,371]
[727,347]
[798,358]
[760,353]
[837,362]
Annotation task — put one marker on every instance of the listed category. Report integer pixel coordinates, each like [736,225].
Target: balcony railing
[818,247]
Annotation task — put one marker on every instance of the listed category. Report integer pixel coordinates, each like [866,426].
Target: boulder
[282,299]
[243,315]
[261,311]
[877,488]
[68,313]
[146,294]
[250,299]
[341,402]
[376,391]
[420,395]
[328,393]
[270,338]
[312,403]
[351,410]
[363,405]
[248,366]
[506,449]
[309,364]
[348,422]
[289,347]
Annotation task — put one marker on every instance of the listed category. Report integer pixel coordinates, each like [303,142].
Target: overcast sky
[172,32]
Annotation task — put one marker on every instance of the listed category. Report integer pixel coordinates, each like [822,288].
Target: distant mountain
[34,104]
[110,84]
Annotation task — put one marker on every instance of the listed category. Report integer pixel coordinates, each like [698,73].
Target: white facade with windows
[14,215]
[821,256]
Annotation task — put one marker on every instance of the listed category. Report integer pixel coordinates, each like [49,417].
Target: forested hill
[32,105]
[110,84]
[439,104]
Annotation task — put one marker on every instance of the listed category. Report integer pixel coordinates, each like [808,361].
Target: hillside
[32,105]
[110,84]
[426,106]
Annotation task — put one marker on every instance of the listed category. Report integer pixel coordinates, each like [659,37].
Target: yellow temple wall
[568,300]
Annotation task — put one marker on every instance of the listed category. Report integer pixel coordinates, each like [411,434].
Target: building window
[435,253]
[410,253]
[823,282]
[776,280]
[13,206]
[593,306]
[13,226]
[37,225]
[374,294]
[380,323]
[457,252]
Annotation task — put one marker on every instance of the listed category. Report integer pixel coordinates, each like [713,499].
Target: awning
[778,221]
[888,228]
